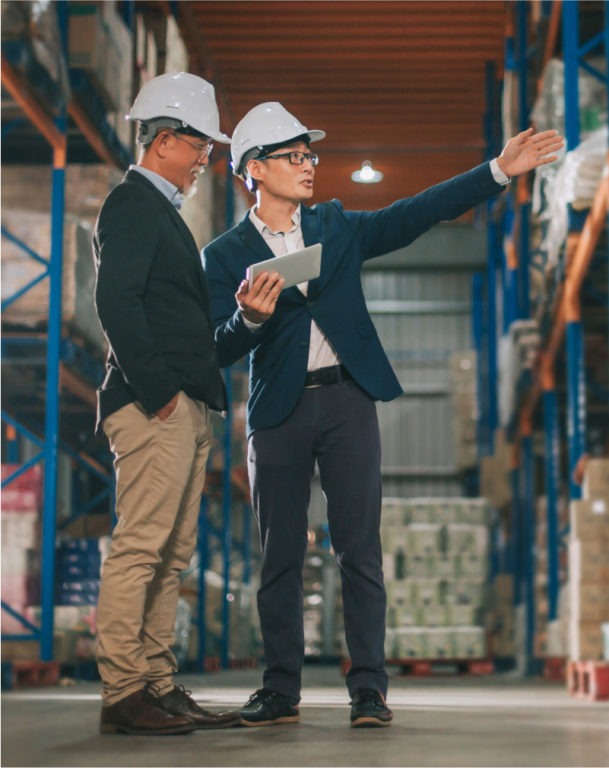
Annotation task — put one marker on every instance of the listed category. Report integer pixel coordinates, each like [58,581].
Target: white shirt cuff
[498,174]
[251,326]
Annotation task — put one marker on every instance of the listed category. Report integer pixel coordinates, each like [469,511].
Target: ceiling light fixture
[366,174]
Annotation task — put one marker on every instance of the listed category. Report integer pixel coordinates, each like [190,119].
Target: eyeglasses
[203,150]
[294,158]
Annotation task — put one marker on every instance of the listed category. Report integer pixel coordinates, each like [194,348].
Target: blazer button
[311,303]
[304,343]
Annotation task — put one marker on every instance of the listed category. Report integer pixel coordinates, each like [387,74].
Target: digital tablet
[296,267]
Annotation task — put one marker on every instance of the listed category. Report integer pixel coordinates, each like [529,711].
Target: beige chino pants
[160,474]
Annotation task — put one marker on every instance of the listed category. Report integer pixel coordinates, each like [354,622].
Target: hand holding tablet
[296,267]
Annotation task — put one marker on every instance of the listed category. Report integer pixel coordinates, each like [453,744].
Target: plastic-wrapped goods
[574,182]
[549,108]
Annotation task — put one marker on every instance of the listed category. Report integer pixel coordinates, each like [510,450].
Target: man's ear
[163,143]
[253,174]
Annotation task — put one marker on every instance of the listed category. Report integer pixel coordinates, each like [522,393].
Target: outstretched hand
[528,150]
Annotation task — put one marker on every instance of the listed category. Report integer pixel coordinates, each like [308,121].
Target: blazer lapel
[253,240]
[182,228]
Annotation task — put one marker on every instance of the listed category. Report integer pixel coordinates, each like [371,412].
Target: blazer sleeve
[233,338]
[398,225]
[126,242]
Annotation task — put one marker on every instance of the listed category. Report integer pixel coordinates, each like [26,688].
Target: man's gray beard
[191,191]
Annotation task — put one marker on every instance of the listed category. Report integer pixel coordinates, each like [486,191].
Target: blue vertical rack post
[494,253]
[517,306]
[477,338]
[551,467]
[55,134]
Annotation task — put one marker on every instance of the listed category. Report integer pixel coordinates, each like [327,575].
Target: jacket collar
[256,243]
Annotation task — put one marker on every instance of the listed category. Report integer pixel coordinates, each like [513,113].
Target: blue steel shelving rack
[91,122]
[567,318]
[58,350]
[55,134]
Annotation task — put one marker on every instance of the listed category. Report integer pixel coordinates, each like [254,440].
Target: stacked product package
[436,565]
[588,620]
[21,535]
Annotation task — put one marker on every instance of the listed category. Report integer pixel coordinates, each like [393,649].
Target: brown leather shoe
[180,702]
[140,714]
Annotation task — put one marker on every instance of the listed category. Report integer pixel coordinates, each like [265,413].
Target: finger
[269,300]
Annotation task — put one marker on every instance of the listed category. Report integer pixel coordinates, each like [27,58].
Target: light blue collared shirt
[165,187]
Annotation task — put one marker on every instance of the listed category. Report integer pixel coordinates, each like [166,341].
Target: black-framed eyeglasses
[204,150]
[294,158]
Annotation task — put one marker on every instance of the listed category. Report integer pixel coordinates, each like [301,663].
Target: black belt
[330,375]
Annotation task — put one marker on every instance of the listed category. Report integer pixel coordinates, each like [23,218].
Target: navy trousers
[337,427]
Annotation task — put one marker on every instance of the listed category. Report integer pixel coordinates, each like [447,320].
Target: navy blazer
[279,351]
[152,301]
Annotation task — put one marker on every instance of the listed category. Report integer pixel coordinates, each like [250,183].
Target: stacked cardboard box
[502,626]
[518,350]
[494,472]
[465,408]
[21,506]
[78,274]
[435,561]
[589,564]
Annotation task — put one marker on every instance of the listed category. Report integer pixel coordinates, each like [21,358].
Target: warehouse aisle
[448,721]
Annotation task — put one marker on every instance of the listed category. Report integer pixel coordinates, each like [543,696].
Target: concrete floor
[448,721]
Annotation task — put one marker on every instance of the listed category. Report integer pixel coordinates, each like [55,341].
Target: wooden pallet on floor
[427,667]
[588,680]
[248,663]
[30,674]
[555,668]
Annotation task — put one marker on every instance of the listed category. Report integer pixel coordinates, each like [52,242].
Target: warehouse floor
[438,721]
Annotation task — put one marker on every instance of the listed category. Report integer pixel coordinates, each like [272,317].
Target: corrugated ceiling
[399,83]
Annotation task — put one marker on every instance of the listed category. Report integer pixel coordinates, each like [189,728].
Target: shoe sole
[111,728]
[370,722]
[277,721]
[231,724]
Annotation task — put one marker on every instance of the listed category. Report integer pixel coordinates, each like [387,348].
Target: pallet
[588,680]
[555,669]
[248,663]
[427,667]
[29,674]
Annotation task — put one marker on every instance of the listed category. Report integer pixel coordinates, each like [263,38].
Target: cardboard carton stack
[436,562]
[589,564]
[465,408]
[21,535]
[502,627]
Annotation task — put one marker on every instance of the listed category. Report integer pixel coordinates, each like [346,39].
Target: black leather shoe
[368,709]
[179,702]
[269,708]
[139,714]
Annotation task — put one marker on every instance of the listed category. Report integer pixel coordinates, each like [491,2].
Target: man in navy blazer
[162,377]
[316,369]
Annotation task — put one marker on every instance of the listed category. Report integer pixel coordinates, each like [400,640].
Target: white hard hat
[183,97]
[266,125]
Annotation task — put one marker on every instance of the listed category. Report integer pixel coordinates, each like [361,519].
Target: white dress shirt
[321,352]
